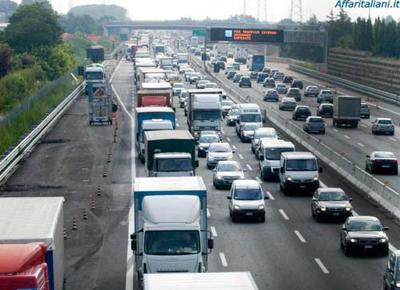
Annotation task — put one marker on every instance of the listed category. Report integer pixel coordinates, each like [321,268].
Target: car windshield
[206,115]
[231,167]
[233,113]
[383,155]
[174,164]
[332,196]
[275,153]
[247,193]
[385,122]
[364,225]
[301,165]
[250,127]
[171,242]
[250,118]
[209,139]
[219,148]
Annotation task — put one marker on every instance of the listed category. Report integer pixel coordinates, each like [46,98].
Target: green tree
[33,29]
[80,23]
[6,54]
[98,11]
[59,62]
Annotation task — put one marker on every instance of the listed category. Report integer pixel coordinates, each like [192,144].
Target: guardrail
[363,89]
[24,147]
[380,192]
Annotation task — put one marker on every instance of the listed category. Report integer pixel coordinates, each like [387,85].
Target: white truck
[36,219]
[182,57]
[171,233]
[200,281]
[165,62]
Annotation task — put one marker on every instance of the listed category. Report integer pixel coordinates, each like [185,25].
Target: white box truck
[36,219]
[200,281]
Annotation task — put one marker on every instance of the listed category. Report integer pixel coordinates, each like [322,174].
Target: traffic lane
[340,142]
[377,107]
[320,240]
[112,272]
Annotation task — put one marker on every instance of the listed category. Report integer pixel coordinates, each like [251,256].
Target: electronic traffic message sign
[246,35]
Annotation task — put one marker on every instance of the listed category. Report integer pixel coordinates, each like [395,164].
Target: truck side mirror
[196,163]
[282,170]
[210,244]
[133,242]
[320,170]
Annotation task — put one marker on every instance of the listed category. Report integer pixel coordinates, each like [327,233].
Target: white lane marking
[347,137]
[322,184]
[393,139]
[259,180]
[240,156]
[213,231]
[208,213]
[383,108]
[281,211]
[249,167]
[321,265]
[223,259]
[360,144]
[269,194]
[228,139]
[234,147]
[300,236]
[336,130]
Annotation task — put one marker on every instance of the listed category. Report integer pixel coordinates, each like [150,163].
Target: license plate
[302,186]
[385,166]
[368,246]
[249,213]
[335,214]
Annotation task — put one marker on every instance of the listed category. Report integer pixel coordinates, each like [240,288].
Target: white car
[218,152]
[246,200]
[177,88]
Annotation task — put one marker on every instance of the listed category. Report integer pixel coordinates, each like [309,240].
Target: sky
[221,9]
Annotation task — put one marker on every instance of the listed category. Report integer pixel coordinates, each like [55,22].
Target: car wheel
[209,166]
[396,172]
[262,219]
[346,250]
[234,218]
[366,167]
[385,252]
[323,132]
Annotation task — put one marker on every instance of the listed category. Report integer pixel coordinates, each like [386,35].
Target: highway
[290,250]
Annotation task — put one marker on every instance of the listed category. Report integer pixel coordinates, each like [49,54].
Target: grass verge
[11,133]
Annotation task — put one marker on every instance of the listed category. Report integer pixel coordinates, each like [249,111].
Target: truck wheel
[356,125]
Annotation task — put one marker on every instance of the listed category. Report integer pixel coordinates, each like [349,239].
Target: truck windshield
[93,76]
[256,118]
[207,115]
[172,242]
[301,165]
[275,153]
[175,164]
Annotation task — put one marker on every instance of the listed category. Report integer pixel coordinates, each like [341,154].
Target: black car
[330,203]
[364,234]
[382,162]
[231,74]
[245,81]
[253,75]
[391,276]
[297,84]
[325,110]
[287,80]
[261,76]
[301,113]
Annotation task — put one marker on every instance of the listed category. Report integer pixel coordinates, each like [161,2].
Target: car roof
[362,218]
[229,162]
[302,106]
[288,99]
[330,189]
[383,119]
[246,183]
[298,155]
[314,117]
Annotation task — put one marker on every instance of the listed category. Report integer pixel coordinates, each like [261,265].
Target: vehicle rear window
[384,155]
[385,122]
[316,120]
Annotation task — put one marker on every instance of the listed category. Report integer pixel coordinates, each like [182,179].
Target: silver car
[201,84]
[226,172]
[311,91]
[281,88]
[287,104]
[314,124]
[182,98]
[383,126]
[325,96]
[218,152]
[177,88]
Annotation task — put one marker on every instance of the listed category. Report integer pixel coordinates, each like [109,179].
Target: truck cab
[166,239]
[172,164]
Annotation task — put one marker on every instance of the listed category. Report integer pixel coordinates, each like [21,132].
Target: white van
[248,113]
[299,172]
[270,156]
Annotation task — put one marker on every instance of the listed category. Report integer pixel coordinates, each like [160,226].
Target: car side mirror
[350,199]
[196,163]
[320,170]
[367,156]
[210,244]
[385,228]
[344,228]
[244,170]
[266,197]
[261,157]
[233,151]
[229,197]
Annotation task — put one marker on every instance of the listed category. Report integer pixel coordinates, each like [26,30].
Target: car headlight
[353,240]
[261,206]
[398,284]
[348,208]
[289,178]
[201,147]
[210,158]
[322,208]
[383,240]
[219,177]
[236,207]
[315,178]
